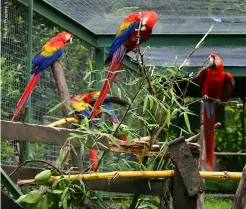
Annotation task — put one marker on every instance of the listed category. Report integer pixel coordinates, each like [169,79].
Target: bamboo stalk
[137,174]
[63,121]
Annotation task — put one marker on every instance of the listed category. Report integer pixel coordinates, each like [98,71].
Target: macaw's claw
[205,97]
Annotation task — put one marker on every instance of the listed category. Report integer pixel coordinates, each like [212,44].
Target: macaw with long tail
[126,40]
[218,85]
[83,104]
[49,54]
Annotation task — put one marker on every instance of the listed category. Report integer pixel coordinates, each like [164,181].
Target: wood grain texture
[240,197]
[58,136]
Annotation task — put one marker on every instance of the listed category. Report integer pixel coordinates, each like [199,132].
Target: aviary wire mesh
[175,16]
[76,62]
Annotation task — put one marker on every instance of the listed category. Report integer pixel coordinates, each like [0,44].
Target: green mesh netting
[77,60]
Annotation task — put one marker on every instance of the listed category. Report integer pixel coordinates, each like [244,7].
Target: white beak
[211,61]
[71,40]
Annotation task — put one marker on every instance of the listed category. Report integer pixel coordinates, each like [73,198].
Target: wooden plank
[123,185]
[58,136]
[23,173]
[132,186]
[240,197]
[43,134]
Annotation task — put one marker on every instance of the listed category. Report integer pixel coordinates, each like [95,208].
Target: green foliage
[213,203]
[230,139]
[8,152]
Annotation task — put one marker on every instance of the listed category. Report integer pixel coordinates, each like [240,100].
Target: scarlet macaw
[83,104]
[124,42]
[216,84]
[49,54]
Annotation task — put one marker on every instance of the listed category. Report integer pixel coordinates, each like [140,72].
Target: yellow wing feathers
[48,50]
[123,27]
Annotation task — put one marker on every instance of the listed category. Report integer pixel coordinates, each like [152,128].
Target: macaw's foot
[218,101]
[205,97]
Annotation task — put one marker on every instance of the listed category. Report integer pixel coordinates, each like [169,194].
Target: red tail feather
[28,91]
[209,139]
[114,67]
[94,159]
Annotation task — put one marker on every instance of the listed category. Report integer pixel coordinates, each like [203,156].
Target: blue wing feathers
[119,40]
[43,62]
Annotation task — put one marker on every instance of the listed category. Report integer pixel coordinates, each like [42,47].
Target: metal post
[29,66]
[243,125]
[100,57]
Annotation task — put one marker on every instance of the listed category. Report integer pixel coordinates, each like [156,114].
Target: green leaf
[87,75]
[82,148]
[56,183]
[64,198]
[82,184]
[145,103]
[43,203]
[31,198]
[73,149]
[187,122]
[60,157]
[43,177]
[56,107]
[114,141]
[149,184]
[57,191]
[119,92]
[168,118]
[151,102]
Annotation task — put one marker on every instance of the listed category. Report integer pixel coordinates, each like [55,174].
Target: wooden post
[166,200]
[63,92]
[61,85]
[200,197]
[240,198]
[181,197]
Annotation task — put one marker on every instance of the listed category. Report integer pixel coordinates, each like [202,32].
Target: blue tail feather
[210,108]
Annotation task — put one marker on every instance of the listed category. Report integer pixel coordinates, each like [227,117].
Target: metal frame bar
[10,185]
[236,71]
[29,67]
[186,39]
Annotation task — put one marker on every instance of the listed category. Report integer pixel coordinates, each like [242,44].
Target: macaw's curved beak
[212,62]
[71,40]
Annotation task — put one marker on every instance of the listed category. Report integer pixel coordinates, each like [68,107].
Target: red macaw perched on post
[83,104]
[125,41]
[49,54]
[219,85]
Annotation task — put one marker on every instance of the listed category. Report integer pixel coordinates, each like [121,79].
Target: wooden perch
[58,136]
[240,198]
[61,85]
[44,134]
